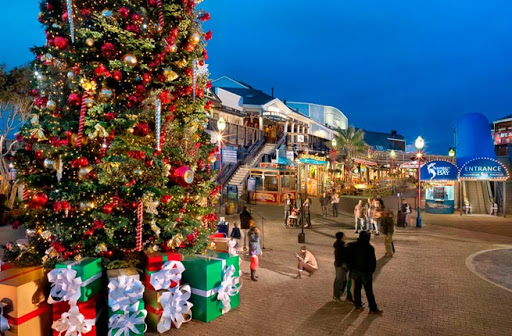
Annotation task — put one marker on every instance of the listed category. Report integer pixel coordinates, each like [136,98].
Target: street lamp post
[221,126]
[419,143]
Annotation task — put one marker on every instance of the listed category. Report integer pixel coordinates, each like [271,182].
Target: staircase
[477,193]
[252,160]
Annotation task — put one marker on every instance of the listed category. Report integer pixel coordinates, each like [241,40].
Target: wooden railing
[237,135]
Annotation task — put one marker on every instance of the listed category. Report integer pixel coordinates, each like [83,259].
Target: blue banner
[437,171]
[483,169]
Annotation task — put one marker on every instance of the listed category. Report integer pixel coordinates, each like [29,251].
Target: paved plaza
[439,282]
[426,289]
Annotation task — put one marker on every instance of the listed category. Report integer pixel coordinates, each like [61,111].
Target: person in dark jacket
[362,264]
[324,202]
[245,224]
[341,267]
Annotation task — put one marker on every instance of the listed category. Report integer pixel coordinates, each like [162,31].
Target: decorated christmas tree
[115,158]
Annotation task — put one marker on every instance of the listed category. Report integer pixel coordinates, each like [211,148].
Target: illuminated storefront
[312,174]
[270,183]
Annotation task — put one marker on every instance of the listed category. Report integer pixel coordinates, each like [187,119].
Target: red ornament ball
[123,12]
[74,99]
[108,50]
[166,199]
[108,208]
[141,129]
[60,42]
[117,75]
[40,199]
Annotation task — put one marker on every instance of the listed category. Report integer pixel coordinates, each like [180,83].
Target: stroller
[293,217]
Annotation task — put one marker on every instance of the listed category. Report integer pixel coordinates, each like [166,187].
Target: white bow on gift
[123,292]
[171,272]
[73,323]
[227,288]
[4,324]
[231,247]
[127,322]
[65,285]
[177,309]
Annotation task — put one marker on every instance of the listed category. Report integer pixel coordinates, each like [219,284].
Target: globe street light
[392,155]
[419,143]
[451,152]
[334,143]
[221,126]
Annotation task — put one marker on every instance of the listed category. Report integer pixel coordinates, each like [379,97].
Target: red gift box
[4,266]
[89,309]
[153,262]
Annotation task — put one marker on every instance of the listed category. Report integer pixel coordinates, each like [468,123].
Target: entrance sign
[437,171]
[313,159]
[483,169]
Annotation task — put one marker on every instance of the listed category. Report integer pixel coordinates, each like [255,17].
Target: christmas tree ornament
[89,41]
[60,42]
[167,169]
[161,20]
[87,205]
[140,219]
[108,50]
[130,60]
[81,120]
[48,163]
[189,47]
[170,75]
[39,199]
[194,38]
[51,105]
[181,63]
[88,85]
[106,13]
[137,172]
[158,116]
[105,94]
[69,7]
[130,130]
[183,175]
[101,248]
[117,75]
[89,102]
[123,12]
[84,171]
[108,208]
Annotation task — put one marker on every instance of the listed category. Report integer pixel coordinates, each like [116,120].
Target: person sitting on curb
[307,262]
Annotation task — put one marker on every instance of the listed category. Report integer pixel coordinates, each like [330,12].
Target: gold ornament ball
[106,94]
[130,60]
[212,159]
[89,41]
[51,105]
[173,48]
[195,38]
[167,169]
[82,173]
[89,102]
[130,130]
[181,63]
[87,205]
[48,163]
[137,172]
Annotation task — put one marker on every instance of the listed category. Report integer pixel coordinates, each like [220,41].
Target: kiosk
[440,192]
[271,183]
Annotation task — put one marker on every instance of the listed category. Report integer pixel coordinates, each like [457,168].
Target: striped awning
[365,162]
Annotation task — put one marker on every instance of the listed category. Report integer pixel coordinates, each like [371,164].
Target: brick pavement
[426,289]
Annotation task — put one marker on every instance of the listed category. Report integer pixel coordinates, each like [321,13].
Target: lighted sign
[273,113]
[439,171]
[483,169]
[313,159]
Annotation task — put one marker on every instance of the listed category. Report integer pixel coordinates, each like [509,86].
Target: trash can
[230,208]
[400,219]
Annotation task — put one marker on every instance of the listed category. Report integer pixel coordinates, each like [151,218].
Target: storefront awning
[365,162]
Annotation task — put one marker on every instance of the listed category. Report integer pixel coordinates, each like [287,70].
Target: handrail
[226,176]
[255,151]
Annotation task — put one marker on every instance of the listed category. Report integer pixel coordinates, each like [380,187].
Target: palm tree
[350,143]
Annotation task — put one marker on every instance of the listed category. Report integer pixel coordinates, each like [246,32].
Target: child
[254,251]
[237,236]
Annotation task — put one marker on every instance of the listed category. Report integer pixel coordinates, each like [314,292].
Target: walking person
[368,207]
[236,234]
[307,262]
[362,264]
[245,224]
[377,214]
[324,202]
[288,206]
[359,217]
[335,201]
[406,211]
[306,207]
[388,228]
[254,251]
[340,266]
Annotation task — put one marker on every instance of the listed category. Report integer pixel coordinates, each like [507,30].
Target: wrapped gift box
[155,309]
[90,309]
[153,262]
[135,311]
[220,244]
[205,274]
[23,292]
[4,266]
[90,271]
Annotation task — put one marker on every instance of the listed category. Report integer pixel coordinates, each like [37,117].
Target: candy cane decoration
[70,19]
[140,209]
[160,13]
[83,109]
[25,192]
[158,106]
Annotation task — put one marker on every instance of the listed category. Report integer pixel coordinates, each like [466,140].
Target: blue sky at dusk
[414,66]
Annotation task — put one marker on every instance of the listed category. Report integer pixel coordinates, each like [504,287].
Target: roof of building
[381,140]
[504,118]
[250,95]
